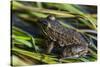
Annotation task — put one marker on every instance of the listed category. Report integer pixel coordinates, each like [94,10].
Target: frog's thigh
[50,47]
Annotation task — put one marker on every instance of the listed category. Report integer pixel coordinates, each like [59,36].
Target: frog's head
[46,22]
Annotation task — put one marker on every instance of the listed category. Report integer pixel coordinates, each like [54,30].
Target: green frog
[69,42]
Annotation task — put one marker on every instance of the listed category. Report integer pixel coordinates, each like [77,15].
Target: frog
[70,42]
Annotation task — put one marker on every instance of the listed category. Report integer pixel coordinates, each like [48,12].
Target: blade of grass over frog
[36,56]
[34,44]
[71,27]
[38,14]
[67,25]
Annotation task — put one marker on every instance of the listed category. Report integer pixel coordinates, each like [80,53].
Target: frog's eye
[45,22]
[51,17]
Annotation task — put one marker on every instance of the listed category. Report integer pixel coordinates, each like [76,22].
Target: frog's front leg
[50,47]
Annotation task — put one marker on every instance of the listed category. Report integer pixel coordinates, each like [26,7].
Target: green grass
[26,48]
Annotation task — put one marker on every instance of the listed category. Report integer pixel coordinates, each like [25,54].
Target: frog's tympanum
[70,42]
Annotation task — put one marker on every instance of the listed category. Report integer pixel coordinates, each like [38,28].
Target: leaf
[16,61]
[34,45]
[21,37]
[24,42]
[89,31]
[83,59]
[37,56]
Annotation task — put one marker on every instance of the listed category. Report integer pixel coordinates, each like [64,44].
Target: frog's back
[64,36]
